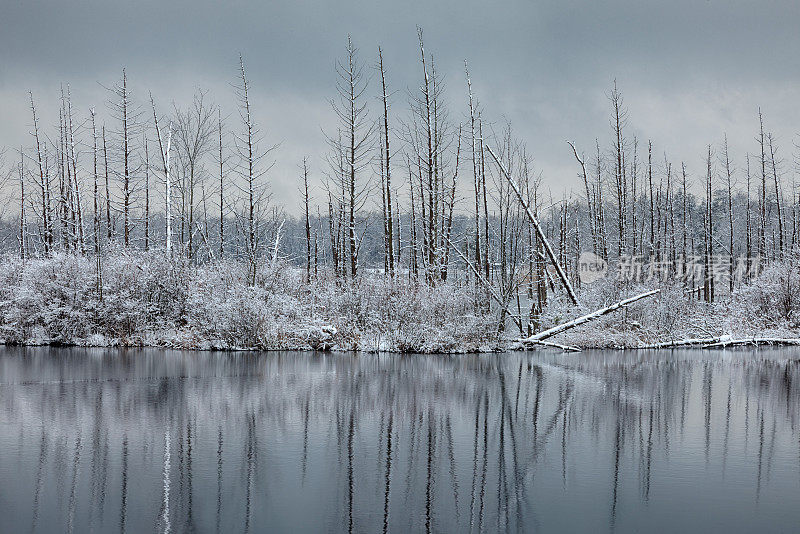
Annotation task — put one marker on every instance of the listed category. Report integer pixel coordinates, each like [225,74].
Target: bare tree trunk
[652,200]
[355,153]
[126,179]
[316,244]
[601,218]
[165,151]
[708,284]
[475,174]
[383,210]
[70,227]
[619,171]
[589,207]
[340,222]
[664,208]
[487,267]
[78,205]
[249,156]
[351,218]
[414,267]
[221,190]
[22,240]
[146,197]
[684,218]
[332,232]
[307,221]
[660,237]
[748,222]
[108,191]
[634,200]
[95,198]
[450,206]
[429,249]
[44,184]
[387,156]
[398,244]
[728,175]
[62,182]
[671,215]
[762,195]
[190,249]
[777,196]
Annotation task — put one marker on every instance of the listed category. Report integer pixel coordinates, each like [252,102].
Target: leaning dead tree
[586,318]
[562,276]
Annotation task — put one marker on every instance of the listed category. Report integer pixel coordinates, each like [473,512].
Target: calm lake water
[95,440]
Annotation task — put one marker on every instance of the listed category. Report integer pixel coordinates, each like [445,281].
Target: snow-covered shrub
[49,296]
[137,298]
[375,313]
[772,299]
[142,291]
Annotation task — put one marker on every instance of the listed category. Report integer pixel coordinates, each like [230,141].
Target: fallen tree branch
[752,341]
[586,318]
[702,341]
[550,254]
[721,342]
[549,344]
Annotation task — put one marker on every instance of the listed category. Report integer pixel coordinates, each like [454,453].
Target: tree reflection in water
[176,442]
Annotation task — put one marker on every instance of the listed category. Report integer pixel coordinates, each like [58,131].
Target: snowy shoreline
[142,299]
[511,346]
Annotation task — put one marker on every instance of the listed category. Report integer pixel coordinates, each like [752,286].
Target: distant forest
[451,194]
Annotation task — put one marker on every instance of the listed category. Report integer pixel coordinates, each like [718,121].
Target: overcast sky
[689,71]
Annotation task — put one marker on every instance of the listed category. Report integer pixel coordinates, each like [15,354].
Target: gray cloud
[689,70]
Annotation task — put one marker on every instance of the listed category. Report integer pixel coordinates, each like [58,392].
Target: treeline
[413,186]
[747,214]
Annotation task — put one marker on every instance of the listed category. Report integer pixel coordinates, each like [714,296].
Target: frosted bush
[148,299]
[773,298]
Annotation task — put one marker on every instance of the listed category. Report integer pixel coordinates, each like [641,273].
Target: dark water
[142,441]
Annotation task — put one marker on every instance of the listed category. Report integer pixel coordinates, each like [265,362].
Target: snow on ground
[147,299]
[139,298]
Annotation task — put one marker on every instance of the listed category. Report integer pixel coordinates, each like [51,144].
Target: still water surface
[95,440]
